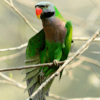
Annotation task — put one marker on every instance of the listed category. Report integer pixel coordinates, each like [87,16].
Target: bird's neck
[54,29]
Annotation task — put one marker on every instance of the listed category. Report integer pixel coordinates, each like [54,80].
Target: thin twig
[85,39]
[14,48]
[74,38]
[30,66]
[24,18]
[24,45]
[81,57]
[66,62]
[11,2]
[50,95]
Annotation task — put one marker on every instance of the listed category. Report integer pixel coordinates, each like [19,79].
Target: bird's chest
[51,48]
[54,30]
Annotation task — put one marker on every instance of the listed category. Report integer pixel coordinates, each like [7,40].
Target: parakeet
[51,44]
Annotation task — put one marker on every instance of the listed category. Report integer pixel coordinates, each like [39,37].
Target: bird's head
[44,9]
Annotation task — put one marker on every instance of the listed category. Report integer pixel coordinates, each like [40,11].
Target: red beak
[38,12]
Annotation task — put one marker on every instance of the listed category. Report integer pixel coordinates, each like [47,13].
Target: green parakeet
[52,43]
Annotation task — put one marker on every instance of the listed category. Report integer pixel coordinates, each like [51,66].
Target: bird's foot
[55,63]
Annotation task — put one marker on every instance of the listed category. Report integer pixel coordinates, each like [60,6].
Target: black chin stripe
[41,6]
[47,14]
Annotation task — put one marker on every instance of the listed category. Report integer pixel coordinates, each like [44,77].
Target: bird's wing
[67,42]
[35,45]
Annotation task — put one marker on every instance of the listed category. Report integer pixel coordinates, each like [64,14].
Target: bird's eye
[46,6]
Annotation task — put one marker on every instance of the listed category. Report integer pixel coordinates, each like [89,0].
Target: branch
[85,39]
[66,63]
[24,18]
[14,48]
[11,2]
[50,95]
[74,38]
[30,66]
[50,64]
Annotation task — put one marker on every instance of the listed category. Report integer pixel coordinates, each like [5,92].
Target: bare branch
[50,95]
[50,64]
[30,66]
[11,2]
[24,45]
[14,48]
[24,18]
[82,58]
[85,39]
[65,63]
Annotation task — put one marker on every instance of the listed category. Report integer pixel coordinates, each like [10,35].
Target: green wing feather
[35,45]
[35,53]
[67,42]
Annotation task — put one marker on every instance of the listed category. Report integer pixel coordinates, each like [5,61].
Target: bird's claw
[55,62]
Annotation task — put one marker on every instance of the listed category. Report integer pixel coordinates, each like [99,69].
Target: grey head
[47,9]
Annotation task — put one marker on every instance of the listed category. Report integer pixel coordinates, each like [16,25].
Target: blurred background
[83,80]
